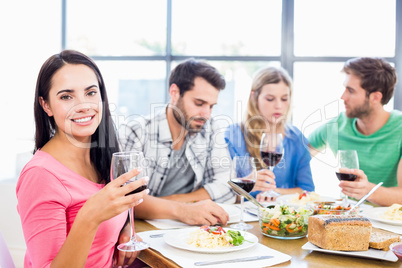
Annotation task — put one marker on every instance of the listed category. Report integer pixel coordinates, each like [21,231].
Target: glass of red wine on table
[347,159]
[244,174]
[123,162]
[272,151]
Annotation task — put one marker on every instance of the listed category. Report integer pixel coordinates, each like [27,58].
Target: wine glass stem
[242,208]
[345,200]
[132,229]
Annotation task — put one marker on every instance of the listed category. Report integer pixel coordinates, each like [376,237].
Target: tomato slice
[302,195]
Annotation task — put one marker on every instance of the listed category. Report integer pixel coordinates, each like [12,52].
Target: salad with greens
[284,221]
[215,237]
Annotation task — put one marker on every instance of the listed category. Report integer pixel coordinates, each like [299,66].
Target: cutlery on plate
[156,235]
[240,191]
[202,263]
[251,211]
[365,197]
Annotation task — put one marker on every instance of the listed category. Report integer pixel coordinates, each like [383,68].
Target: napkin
[186,258]
[232,209]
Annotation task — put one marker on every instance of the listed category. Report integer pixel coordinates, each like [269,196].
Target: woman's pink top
[49,197]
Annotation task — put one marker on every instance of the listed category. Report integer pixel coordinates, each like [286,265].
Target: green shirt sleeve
[318,138]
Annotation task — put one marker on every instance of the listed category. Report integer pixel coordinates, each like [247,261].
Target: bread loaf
[339,232]
[382,240]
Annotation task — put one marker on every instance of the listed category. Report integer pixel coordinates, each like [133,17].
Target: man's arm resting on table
[384,196]
[203,212]
[200,194]
[157,208]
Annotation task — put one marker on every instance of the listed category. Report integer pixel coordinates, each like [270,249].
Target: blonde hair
[254,123]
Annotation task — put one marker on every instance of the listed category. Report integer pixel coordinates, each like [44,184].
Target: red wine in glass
[271,152]
[348,159]
[346,176]
[271,159]
[122,162]
[246,185]
[243,173]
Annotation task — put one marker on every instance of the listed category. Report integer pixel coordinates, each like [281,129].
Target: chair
[5,257]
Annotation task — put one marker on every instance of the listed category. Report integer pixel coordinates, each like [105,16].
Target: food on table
[214,237]
[304,198]
[331,208]
[382,240]
[340,232]
[284,221]
[394,213]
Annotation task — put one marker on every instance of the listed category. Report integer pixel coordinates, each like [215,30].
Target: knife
[365,197]
[202,263]
[240,191]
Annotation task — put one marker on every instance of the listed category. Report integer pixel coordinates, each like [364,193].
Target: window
[345,28]
[226,28]
[137,43]
[116,28]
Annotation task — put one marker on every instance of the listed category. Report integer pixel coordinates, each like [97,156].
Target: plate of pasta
[389,215]
[297,200]
[210,239]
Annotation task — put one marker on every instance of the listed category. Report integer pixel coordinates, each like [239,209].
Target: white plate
[371,253]
[252,209]
[177,239]
[232,210]
[377,214]
[287,200]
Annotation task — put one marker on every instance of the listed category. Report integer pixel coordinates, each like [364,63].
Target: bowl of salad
[331,208]
[284,222]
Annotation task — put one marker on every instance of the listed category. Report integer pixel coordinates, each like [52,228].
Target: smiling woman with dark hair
[71,214]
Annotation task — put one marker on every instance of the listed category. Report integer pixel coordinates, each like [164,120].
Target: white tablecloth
[187,258]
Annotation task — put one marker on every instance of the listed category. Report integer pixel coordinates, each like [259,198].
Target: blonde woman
[267,111]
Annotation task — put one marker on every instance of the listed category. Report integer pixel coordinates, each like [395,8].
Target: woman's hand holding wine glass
[122,164]
[111,200]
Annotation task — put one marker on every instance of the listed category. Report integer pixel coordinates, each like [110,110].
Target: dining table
[299,257]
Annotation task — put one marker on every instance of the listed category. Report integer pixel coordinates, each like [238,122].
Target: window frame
[287,57]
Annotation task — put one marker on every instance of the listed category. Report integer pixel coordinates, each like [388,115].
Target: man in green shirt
[366,127]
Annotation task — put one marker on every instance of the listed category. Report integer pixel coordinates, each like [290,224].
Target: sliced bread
[382,240]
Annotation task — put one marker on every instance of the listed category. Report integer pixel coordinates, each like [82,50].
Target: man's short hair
[376,75]
[185,73]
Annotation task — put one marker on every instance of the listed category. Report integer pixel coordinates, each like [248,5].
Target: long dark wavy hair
[104,141]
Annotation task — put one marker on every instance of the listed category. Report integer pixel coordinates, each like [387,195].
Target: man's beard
[182,118]
[360,111]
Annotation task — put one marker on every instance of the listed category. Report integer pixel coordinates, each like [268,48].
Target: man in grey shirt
[188,161]
[181,177]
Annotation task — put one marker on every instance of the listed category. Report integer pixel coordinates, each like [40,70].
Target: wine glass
[272,151]
[123,162]
[347,159]
[243,174]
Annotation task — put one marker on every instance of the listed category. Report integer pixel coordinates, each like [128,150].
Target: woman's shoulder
[42,163]
[40,172]
[233,130]
[296,138]
[293,131]
[234,127]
